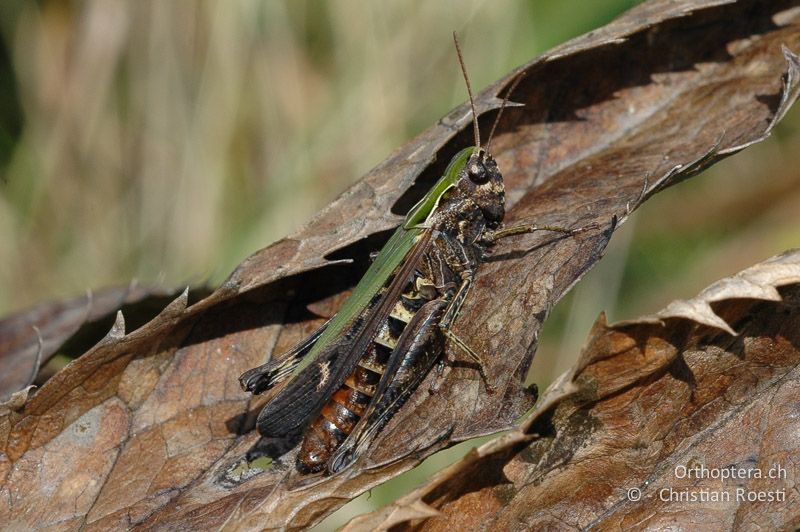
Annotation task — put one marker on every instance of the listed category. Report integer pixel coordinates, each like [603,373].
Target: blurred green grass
[166,141]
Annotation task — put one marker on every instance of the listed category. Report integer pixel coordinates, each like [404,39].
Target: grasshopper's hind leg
[417,350]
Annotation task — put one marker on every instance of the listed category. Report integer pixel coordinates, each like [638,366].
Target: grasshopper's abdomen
[347,405]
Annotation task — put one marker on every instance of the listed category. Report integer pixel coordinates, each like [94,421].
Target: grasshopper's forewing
[310,389]
[264,377]
[334,350]
[318,345]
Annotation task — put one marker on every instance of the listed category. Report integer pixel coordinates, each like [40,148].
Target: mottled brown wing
[303,397]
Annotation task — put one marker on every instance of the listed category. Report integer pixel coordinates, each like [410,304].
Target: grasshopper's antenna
[514,84]
[469,90]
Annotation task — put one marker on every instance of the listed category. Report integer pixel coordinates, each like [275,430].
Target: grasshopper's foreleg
[450,315]
[454,308]
[491,237]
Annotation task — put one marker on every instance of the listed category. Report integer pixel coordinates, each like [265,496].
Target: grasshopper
[354,372]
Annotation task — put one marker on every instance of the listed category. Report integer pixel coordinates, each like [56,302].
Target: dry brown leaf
[651,399]
[145,428]
[29,338]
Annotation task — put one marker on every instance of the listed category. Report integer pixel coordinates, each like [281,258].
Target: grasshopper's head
[480,179]
[482,182]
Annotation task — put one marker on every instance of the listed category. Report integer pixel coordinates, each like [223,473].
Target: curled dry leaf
[145,428]
[28,339]
[650,400]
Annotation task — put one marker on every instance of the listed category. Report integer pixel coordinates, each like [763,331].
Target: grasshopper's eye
[477,171]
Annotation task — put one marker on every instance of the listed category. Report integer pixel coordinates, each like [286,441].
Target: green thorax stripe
[390,257]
